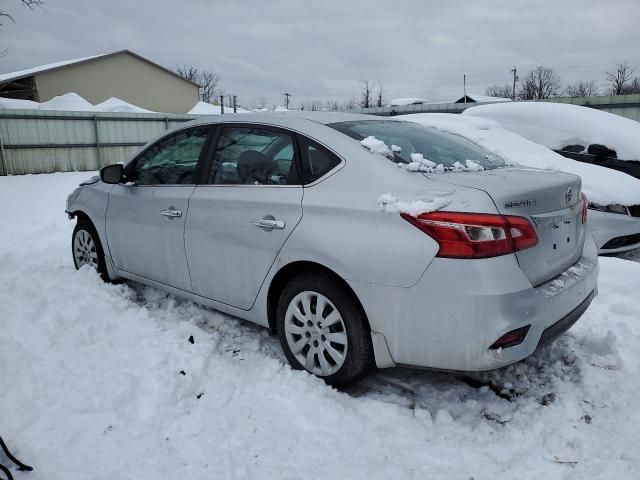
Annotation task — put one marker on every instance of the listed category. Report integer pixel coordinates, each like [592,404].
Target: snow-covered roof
[398,102]
[42,68]
[482,99]
[557,125]
[10,76]
[601,185]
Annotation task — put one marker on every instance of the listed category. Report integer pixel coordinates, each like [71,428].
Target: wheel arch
[289,271]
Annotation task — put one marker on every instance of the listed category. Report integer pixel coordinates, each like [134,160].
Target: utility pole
[464,82]
[221,104]
[235,104]
[286,100]
[514,70]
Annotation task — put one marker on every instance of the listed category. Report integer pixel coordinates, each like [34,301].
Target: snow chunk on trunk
[376,146]
[390,204]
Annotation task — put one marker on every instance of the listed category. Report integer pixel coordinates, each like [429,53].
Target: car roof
[285,118]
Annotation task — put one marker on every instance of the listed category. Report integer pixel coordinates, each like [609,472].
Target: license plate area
[559,232]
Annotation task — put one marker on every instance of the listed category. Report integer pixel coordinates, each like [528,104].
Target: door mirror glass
[112,173]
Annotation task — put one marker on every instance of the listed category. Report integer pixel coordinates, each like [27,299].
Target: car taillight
[585,205]
[475,235]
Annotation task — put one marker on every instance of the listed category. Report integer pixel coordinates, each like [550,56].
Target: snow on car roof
[601,185]
[556,125]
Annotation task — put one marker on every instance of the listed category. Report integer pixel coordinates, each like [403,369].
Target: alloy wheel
[84,250]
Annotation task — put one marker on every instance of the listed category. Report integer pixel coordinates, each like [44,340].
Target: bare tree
[632,87]
[365,94]
[379,96]
[351,104]
[620,79]
[582,89]
[541,82]
[500,91]
[207,80]
[31,4]
[332,105]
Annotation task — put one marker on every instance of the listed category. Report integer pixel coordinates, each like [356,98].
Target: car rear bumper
[450,319]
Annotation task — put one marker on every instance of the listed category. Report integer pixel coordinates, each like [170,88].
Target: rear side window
[253,156]
[317,161]
[405,138]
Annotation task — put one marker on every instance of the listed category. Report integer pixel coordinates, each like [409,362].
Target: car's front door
[239,218]
[146,216]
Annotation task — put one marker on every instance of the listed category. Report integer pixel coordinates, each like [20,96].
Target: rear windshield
[406,138]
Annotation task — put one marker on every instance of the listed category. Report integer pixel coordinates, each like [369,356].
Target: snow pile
[114,104]
[376,146]
[601,185]
[557,125]
[281,109]
[100,381]
[73,102]
[69,101]
[420,164]
[13,103]
[390,204]
[399,102]
[204,108]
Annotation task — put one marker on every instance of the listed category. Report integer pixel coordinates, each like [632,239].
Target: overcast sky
[323,49]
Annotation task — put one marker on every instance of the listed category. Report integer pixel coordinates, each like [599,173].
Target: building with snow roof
[471,98]
[122,74]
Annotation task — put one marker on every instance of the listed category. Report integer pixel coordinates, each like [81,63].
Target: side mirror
[112,173]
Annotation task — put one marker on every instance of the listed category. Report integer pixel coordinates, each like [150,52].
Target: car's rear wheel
[87,249]
[323,330]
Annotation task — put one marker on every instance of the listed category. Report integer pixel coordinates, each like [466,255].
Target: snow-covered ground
[99,381]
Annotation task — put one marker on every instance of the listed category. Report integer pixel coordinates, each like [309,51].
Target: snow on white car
[593,137]
[361,240]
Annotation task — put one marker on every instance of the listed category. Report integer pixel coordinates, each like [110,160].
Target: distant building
[121,74]
[470,98]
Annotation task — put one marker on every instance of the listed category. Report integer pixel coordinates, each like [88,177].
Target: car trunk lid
[551,200]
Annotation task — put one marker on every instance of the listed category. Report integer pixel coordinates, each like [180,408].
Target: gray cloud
[322,49]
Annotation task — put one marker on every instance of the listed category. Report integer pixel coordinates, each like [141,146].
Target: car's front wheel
[323,330]
[87,249]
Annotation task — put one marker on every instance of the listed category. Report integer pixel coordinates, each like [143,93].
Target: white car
[595,139]
[614,196]
[290,221]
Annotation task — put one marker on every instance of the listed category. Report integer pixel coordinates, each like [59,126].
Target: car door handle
[171,213]
[268,223]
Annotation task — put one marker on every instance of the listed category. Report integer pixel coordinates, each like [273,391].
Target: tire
[335,346]
[86,248]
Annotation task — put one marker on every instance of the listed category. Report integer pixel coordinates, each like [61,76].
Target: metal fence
[37,141]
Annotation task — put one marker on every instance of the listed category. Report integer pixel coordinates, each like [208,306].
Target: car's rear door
[146,216]
[249,202]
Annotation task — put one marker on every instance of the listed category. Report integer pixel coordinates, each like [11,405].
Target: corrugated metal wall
[121,75]
[36,141]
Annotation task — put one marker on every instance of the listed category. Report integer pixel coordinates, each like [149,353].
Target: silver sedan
[361,241]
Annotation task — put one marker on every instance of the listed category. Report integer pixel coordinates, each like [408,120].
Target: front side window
[405,138]
[171,161]
[253,156]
